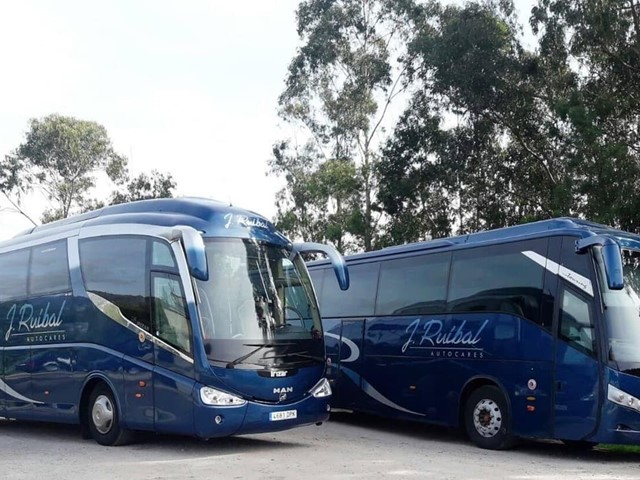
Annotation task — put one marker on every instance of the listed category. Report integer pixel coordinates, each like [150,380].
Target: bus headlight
[623,398]
[218,398]
[322,389]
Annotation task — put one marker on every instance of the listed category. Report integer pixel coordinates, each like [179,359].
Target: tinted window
[576,324]
[114,268]
[358,301]
[579,263]
[13,274]
[171,320]
[316,279]
[413,286]
[501,278]
[161,255]
[49,269]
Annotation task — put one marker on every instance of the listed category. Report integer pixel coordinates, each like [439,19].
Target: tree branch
[17,207]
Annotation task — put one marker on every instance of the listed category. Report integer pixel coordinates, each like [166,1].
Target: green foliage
[144,187]
[63,156]
[493,134]
[338,89]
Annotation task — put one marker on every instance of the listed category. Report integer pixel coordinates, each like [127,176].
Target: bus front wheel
[486,419]
[104,418]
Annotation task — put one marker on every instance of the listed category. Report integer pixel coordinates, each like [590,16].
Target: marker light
[218,398]
[322,389]
[623,398]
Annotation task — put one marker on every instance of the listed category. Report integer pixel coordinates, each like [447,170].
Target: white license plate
[285,415]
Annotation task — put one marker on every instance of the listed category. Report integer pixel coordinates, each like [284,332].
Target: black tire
[487,419]
[103,418]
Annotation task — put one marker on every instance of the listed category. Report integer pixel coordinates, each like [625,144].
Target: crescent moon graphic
[354,351]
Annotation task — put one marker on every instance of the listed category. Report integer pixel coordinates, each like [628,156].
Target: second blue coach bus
[177,315]
[528,331]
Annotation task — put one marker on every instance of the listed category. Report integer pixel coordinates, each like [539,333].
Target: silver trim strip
[112,311]
[570,276]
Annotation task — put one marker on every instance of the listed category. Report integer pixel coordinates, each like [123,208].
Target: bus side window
[161,255]
[115,269]
[170,317]
[415,285]
[359,300]
[576,322]
[49,271]
[499,278]
[13,275]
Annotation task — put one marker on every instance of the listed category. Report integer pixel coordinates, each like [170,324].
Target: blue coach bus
[528,331]
[178,315]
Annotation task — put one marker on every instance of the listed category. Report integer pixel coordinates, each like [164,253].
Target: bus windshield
[256,295]
[622,314]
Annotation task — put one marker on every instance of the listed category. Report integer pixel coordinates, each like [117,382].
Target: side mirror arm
[338,263]
[610,255]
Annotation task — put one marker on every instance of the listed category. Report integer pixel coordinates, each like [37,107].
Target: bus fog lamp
[620,397]
[322,389]
[218,398]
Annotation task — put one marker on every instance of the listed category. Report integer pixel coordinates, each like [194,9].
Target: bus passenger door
[577,381]
[174,369]
[349,364]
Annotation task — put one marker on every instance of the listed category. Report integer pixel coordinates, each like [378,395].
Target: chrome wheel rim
[102,414]
[487,418]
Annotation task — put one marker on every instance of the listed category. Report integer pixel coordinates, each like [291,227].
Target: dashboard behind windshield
[256,295]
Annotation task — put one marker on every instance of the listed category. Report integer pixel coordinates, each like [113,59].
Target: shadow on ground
[70,435]
[419,431]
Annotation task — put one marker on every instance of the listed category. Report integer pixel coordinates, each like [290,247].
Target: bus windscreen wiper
[300,355]
[255,350]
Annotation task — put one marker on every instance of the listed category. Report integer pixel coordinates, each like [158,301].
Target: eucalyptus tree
[597,44]
[479,137]
[351,65]
[63,156]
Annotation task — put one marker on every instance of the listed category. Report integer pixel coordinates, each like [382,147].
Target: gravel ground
[346,447]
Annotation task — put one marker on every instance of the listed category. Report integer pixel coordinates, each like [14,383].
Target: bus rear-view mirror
[338,263]
[611,256]
[194,250]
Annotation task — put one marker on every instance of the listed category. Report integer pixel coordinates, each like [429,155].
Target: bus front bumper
[254,417]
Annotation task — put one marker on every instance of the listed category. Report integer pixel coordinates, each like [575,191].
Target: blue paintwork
[154,388]
[376,369]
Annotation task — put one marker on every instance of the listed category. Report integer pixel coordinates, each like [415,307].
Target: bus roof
[211,217]
[543,228]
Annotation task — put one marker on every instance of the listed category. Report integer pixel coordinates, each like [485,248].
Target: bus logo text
[24,320]
[433,335]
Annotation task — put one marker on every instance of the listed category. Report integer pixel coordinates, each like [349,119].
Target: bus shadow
[600,453]
[416,430]
[144,441]
[446,435]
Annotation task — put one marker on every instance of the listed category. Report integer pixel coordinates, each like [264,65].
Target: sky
[188,88]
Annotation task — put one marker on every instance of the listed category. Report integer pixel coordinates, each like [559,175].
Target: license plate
[285,415]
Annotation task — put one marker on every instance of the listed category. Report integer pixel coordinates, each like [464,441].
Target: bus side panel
[53,383]
[173,393]
[138,393]
[17,378]
[344,348]
[418,367]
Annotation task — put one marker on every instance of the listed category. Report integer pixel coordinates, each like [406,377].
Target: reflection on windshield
[256,293]
[623,313]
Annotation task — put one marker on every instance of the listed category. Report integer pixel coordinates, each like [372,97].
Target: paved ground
[346,447]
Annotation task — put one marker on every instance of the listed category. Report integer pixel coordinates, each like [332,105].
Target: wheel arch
[92,380]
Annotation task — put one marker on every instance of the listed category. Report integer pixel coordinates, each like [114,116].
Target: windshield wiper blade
[301,355]
[259,347]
